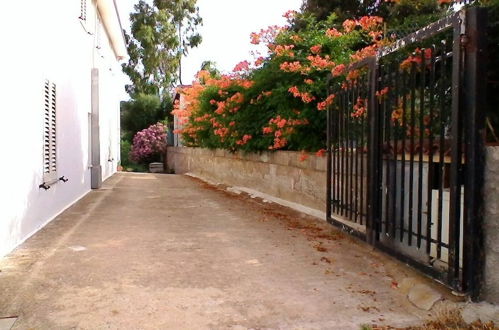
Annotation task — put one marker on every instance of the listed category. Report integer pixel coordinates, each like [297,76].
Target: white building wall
[45,40]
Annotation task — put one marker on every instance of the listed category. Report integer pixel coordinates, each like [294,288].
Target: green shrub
[141,112]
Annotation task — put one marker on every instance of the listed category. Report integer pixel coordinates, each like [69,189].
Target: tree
[211,67]
[141,112]
[161,33]
[343,9]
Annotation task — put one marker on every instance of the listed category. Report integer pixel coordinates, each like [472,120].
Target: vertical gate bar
[442,146]
[350,154]
[475,105]
[356,219]
[456,155]
[348,151]
[348,162]
[411,150]
[329,156]
[362,162]
[373,174]
[405,77]
[421,141]
[394,87]
[385,127]
[430,150]
[333,111]
[339,151]
[343,139]
[338,155]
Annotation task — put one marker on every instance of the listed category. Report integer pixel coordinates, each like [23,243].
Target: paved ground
[169,252]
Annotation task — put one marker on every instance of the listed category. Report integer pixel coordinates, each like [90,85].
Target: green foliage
[126,163]
[125,148]
[141,112]
[211,67]
[278,105]
[343,9]
[160,34]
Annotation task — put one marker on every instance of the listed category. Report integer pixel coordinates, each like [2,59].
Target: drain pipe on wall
[96,170]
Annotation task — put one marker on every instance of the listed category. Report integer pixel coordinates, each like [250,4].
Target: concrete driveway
[170,252]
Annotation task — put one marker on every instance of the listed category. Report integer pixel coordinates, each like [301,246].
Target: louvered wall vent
[83,10]
[49,133]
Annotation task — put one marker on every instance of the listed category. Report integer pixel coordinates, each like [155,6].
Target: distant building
[60,87]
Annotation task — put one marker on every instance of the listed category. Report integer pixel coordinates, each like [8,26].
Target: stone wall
[491,225]
[280,174]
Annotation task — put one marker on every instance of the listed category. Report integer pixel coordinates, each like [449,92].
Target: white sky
[227,25]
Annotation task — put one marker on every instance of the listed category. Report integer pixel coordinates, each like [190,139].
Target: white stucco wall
[45,40]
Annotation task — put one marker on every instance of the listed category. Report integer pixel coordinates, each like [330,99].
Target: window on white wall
[49,133]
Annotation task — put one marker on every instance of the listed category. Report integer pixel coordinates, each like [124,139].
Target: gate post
[474,92]
[329,155]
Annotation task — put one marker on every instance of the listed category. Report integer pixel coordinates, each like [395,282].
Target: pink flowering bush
[149,144]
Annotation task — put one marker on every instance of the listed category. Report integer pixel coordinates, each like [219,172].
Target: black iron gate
[405,150]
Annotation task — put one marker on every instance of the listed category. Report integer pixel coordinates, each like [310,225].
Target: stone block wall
[280,174]
[491,225]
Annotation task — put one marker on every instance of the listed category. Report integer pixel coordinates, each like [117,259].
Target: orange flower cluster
[359,108]
[367,23]
[191,104]
[284,50]
[364,52]
[416,59]
[265,35]
[260,97]
[316,49]
[244,139]
[353,75]
[327,102]
[241,66]
[321,153]
[305,97]
[370,23]
[321,63]
[381,95]
[303,156]
[206,118]
[290,14]
[349,25]
[291,66]
[333,33]
[282,128]
[338,70]
[259,61]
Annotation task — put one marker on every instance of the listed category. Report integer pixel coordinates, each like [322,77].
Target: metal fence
[405,149]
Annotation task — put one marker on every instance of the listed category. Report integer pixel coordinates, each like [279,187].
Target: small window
[49,133]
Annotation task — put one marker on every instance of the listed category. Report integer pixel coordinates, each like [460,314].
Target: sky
[226,29]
